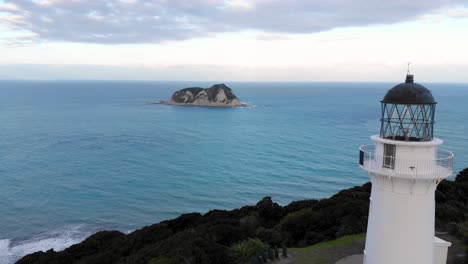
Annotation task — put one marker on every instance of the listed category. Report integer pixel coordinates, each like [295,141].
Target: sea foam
[12,250]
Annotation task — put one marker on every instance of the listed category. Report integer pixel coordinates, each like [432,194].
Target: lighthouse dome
[409,93]
[408,112]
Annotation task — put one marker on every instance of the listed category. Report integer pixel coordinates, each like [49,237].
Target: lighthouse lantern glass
[407,122]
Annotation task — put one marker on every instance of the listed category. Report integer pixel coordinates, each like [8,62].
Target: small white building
[405,165]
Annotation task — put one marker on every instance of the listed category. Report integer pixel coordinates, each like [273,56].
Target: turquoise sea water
[77,157]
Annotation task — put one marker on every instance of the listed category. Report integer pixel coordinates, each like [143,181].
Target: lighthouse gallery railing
[439,167]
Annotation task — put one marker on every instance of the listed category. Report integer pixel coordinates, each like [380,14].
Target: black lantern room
[408,112]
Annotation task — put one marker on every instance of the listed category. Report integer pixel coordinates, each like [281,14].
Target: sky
[234,40]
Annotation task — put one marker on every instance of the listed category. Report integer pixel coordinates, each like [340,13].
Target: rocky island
[218,95]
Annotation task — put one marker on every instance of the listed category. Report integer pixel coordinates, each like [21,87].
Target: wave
[12,250]
[248,104]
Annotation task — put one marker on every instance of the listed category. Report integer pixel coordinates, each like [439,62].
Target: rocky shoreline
[202,105]
[215,237]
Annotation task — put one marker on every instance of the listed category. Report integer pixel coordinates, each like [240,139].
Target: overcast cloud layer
[136,21]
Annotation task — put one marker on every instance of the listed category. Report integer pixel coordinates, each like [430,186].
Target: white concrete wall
[419,155]
[400,228]
[402,215]
[440,250]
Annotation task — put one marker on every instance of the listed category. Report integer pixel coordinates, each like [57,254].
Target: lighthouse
[405,165]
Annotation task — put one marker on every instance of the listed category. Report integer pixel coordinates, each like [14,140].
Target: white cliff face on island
[217,95]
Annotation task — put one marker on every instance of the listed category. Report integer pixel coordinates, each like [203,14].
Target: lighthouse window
[389,156]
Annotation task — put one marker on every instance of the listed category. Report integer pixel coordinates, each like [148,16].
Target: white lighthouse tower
[405,165]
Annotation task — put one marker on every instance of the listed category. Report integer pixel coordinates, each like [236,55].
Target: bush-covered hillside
[216,236]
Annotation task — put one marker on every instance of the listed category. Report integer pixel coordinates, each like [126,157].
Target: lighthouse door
[389,156]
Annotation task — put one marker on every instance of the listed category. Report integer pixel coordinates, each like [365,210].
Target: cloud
[272,37]
[152,21]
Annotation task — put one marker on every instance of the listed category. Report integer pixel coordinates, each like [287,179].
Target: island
[218,95]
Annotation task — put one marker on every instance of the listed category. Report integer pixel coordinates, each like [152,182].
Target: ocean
[82,156]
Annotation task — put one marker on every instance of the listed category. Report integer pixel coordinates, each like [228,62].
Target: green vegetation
[460,231]
[244,251]
[331,251]
[225,237]
[346,240]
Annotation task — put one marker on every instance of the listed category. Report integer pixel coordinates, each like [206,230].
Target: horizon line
[213,81]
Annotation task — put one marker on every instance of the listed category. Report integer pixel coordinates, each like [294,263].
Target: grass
[322,253]
[329,252]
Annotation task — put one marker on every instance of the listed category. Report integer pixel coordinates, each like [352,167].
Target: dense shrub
[245,250]
[460,230]
[161,260]
[462,176]
[294,224]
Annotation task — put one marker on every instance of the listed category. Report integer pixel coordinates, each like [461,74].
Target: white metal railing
[439,167]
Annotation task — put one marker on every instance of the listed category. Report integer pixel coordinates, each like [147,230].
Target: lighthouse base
[440,250]
[400,227]
[440,254]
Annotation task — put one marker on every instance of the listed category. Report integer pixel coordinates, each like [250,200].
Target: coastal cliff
[212,238]
[217,95]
